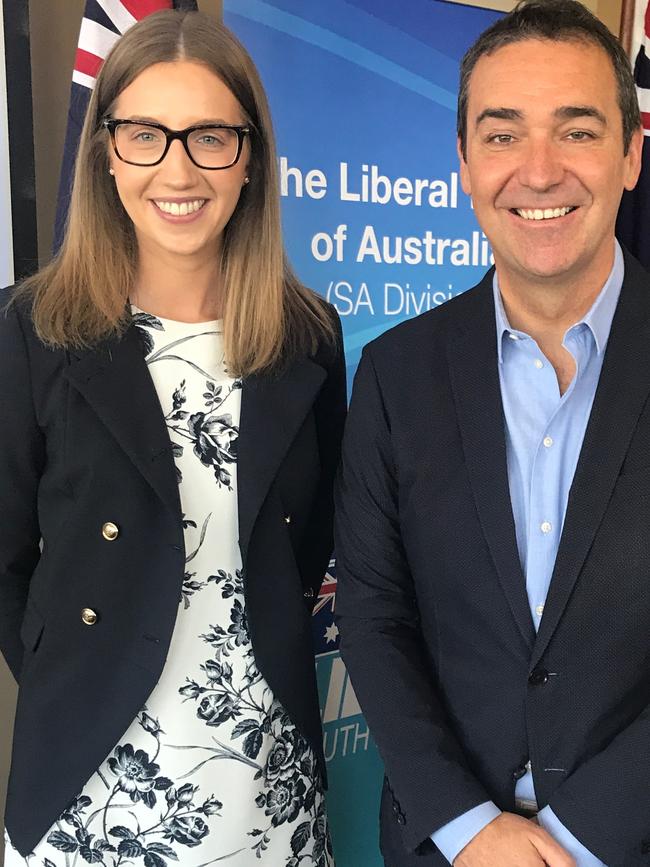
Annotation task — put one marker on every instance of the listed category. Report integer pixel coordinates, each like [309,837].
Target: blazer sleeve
[329,410]
[605,803]
[380,634]
[22,458]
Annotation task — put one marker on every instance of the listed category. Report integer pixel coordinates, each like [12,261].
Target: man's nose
[541,166]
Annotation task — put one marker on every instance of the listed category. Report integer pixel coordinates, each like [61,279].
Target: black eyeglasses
[208,145]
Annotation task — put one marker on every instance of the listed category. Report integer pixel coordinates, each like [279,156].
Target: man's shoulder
[635,272]
[433,328]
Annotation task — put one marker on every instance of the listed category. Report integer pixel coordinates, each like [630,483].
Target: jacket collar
[622,392]
[114,380]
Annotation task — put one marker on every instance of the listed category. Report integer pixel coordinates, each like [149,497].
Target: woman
[171,414]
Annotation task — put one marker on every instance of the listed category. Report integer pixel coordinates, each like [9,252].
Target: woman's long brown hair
[80,297]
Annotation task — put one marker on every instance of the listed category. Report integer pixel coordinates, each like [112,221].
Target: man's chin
[541,267]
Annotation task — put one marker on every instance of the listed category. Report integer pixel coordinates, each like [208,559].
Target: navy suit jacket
[82,442]
[458,689]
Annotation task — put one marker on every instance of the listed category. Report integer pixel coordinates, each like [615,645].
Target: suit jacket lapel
[622,391]
[273,408]
[473,365]
[114,380]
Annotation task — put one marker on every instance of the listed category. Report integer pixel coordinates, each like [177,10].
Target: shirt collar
[598,318]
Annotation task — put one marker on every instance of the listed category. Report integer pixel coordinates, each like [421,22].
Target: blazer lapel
[622,391]
[273,408]
[473,365]
[114,380]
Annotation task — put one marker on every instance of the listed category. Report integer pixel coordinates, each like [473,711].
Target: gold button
[110,531]
[89,616]
[287,519]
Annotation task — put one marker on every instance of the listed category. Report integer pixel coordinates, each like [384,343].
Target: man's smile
[543,213]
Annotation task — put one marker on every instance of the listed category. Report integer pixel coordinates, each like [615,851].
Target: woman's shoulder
[17,327]
[15,310]
[324,326]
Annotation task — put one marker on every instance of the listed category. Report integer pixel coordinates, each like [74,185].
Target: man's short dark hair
[558,21]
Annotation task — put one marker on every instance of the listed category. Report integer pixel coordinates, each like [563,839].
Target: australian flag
[103,23]
[633,224]
[325,631]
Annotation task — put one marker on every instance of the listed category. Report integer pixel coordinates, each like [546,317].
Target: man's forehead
[524,75]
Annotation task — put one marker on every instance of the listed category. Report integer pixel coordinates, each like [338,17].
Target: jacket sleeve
[330,411]
[22,458]
[381,639]
[605,803]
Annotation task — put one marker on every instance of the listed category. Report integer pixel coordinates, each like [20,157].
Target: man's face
[544,163]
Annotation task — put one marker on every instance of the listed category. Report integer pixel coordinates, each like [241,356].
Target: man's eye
[500,138]
[580,135]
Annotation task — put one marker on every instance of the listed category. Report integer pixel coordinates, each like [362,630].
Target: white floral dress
[212,770]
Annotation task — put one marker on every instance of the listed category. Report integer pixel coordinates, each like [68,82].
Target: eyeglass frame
[111,124]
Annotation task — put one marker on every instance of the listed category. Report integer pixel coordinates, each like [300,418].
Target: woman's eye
[210,141]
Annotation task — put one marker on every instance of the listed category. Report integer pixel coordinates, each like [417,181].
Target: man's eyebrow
[571,112]
[564,112]
[499,114]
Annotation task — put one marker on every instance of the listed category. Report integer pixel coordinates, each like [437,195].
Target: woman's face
[179,95]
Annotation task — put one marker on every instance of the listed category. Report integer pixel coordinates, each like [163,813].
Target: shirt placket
[546,506]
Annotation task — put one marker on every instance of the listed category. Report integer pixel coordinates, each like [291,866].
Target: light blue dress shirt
[544,434]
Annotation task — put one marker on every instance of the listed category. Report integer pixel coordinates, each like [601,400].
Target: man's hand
[510,841]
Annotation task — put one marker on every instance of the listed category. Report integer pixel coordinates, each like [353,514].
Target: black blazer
[458,689]
[83,442]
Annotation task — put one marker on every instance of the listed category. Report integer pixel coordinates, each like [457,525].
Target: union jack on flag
[633,224]
[103,22]
[325,631]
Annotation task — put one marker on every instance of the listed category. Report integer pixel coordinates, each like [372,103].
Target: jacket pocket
[31,629]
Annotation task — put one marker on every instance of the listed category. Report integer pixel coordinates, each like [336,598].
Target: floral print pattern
[213,769]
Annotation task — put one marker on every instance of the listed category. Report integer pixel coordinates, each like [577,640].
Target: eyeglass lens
[211,148]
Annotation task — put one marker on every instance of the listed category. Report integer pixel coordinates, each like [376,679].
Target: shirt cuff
[550,823]
[455,835]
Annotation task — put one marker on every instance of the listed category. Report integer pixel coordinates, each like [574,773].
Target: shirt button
[539,363]
[545,527]
[539,610]
[513,336]
[548,442]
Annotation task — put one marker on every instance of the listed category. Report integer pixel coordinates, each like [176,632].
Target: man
[494,500]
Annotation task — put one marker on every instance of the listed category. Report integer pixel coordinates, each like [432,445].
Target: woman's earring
[246,179]
[111,171]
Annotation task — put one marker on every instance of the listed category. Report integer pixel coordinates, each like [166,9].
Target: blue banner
[363,97]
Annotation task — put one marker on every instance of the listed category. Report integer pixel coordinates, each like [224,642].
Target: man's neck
[546,309]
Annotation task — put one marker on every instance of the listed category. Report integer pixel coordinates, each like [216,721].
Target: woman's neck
[169,287]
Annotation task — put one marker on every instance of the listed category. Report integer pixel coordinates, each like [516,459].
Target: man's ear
[633,159]
[464,171]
